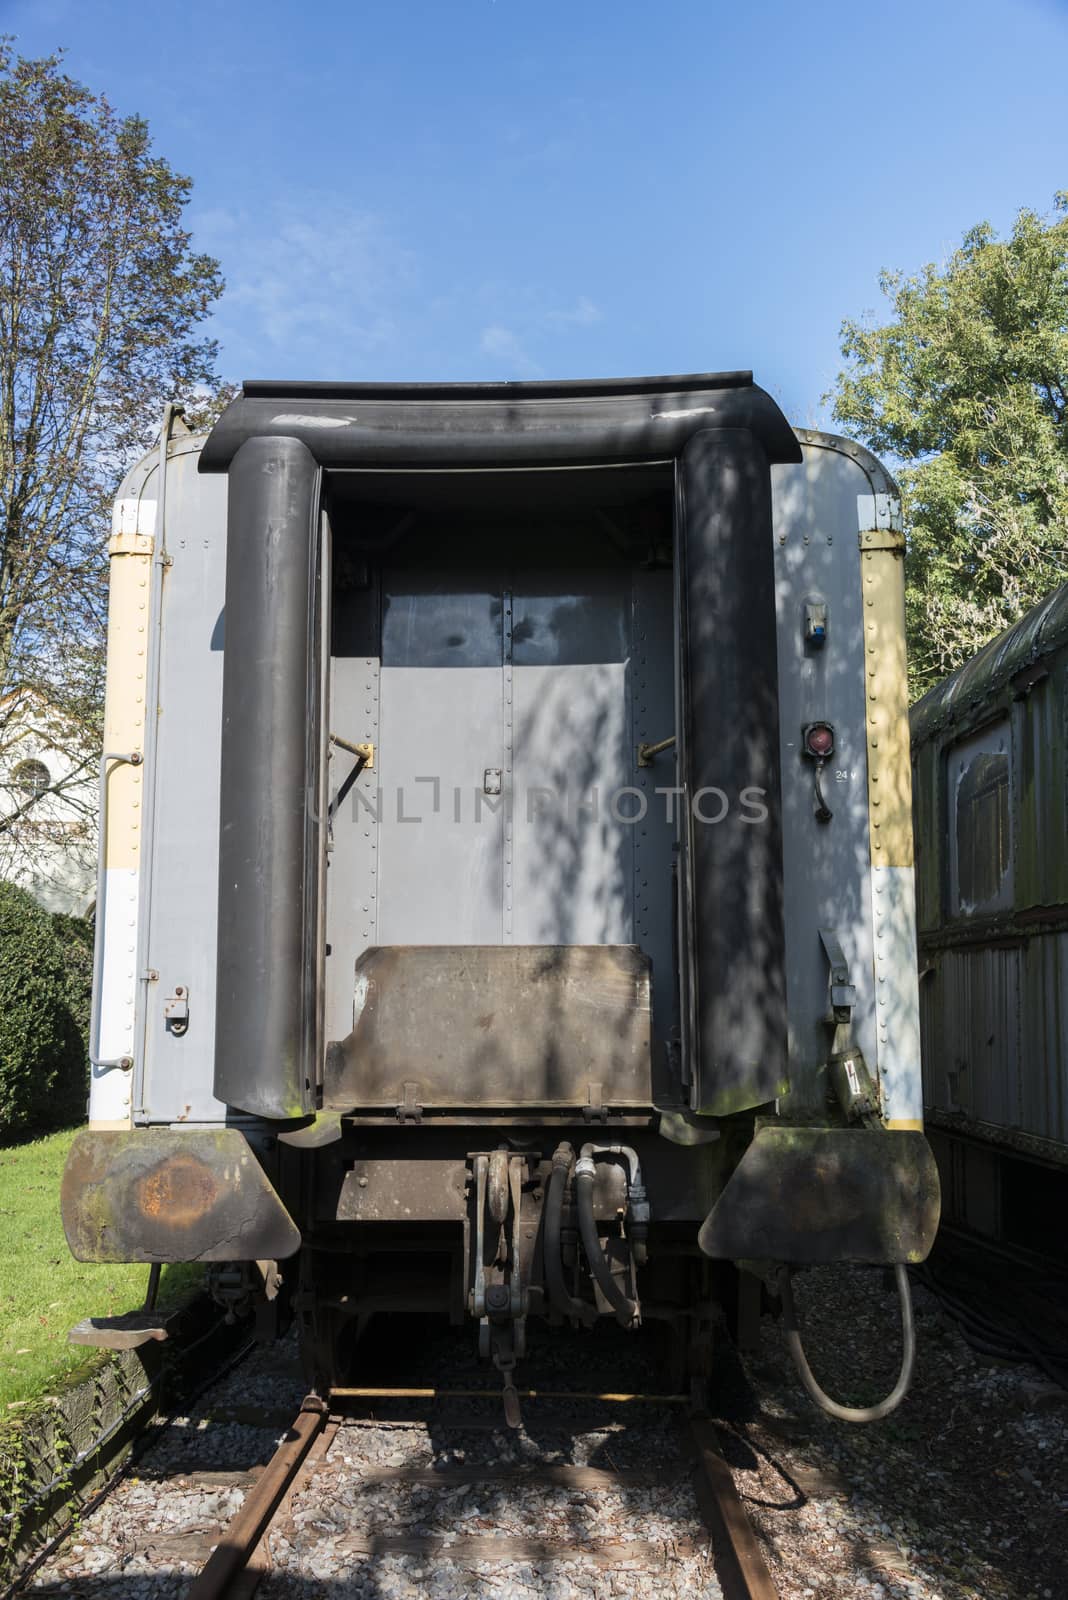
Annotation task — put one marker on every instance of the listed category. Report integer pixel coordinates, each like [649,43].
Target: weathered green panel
[809,1195]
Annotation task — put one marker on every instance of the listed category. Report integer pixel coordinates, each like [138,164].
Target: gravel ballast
[959,1496]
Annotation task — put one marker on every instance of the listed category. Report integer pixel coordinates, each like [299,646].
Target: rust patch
[179,1191]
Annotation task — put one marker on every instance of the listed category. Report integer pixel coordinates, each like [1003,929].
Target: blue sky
[526,188]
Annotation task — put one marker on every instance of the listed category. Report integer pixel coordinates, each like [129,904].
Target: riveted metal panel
[133,616]
[181,941]
[573,847]
[826,866]
[439,854]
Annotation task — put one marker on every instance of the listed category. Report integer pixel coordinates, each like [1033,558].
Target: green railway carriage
[990,783]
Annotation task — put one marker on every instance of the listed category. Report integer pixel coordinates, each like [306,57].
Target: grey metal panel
[495,1025]
[571,618]
[826,866]
[573,860]
[183,850]
[1044,1037]
[447,620]
[439,869]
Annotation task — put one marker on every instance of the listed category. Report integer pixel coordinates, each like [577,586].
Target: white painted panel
[897,993]
[109,1092]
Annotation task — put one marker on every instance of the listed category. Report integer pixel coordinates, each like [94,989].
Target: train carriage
[991,799]
[506,896]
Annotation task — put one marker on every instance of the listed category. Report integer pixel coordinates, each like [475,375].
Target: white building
[48,804]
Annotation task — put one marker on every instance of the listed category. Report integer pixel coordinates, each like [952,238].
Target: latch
[409,1109]
[176,1011]
[595,1109]
[843,992]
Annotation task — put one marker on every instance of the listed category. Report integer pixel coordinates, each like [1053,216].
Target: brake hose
[804,1371]
[565,1302]
[626,1310]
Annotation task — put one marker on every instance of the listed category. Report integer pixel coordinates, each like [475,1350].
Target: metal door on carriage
[504,732]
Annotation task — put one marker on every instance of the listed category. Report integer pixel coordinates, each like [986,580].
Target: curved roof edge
[1040,631]
[413,426]
[881,480]
[518,389]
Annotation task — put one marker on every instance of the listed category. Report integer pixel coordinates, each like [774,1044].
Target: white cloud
[303,283]
[507,347]
[580,316]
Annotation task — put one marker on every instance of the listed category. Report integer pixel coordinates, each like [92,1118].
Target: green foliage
[44,1291]
[966,389]
[42,1051]
[101,298]
[75,935]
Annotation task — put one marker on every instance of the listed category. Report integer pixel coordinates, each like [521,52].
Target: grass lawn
[43,1290]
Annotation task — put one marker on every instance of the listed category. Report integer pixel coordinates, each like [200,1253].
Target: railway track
[718,1555]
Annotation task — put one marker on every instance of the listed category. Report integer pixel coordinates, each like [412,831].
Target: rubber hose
[624,1308]
[554,1268]
[804,1371]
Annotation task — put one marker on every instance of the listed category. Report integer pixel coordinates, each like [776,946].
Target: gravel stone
[961,1495]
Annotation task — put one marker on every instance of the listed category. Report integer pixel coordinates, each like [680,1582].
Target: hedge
[45,982]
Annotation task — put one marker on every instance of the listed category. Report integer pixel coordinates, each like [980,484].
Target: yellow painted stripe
[127,678]
[906,1124]
[886,698]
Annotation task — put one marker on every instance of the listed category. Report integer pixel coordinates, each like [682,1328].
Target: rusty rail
[608,1398]
[241,1558]
[216,1578]
[740,1565]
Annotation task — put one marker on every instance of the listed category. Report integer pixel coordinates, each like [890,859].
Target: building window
[980,818]
[31,779]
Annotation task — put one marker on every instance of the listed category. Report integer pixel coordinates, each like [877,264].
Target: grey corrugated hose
[804,1371]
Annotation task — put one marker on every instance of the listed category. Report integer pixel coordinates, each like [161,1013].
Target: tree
[966,389]
[44,966]
[101,298]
